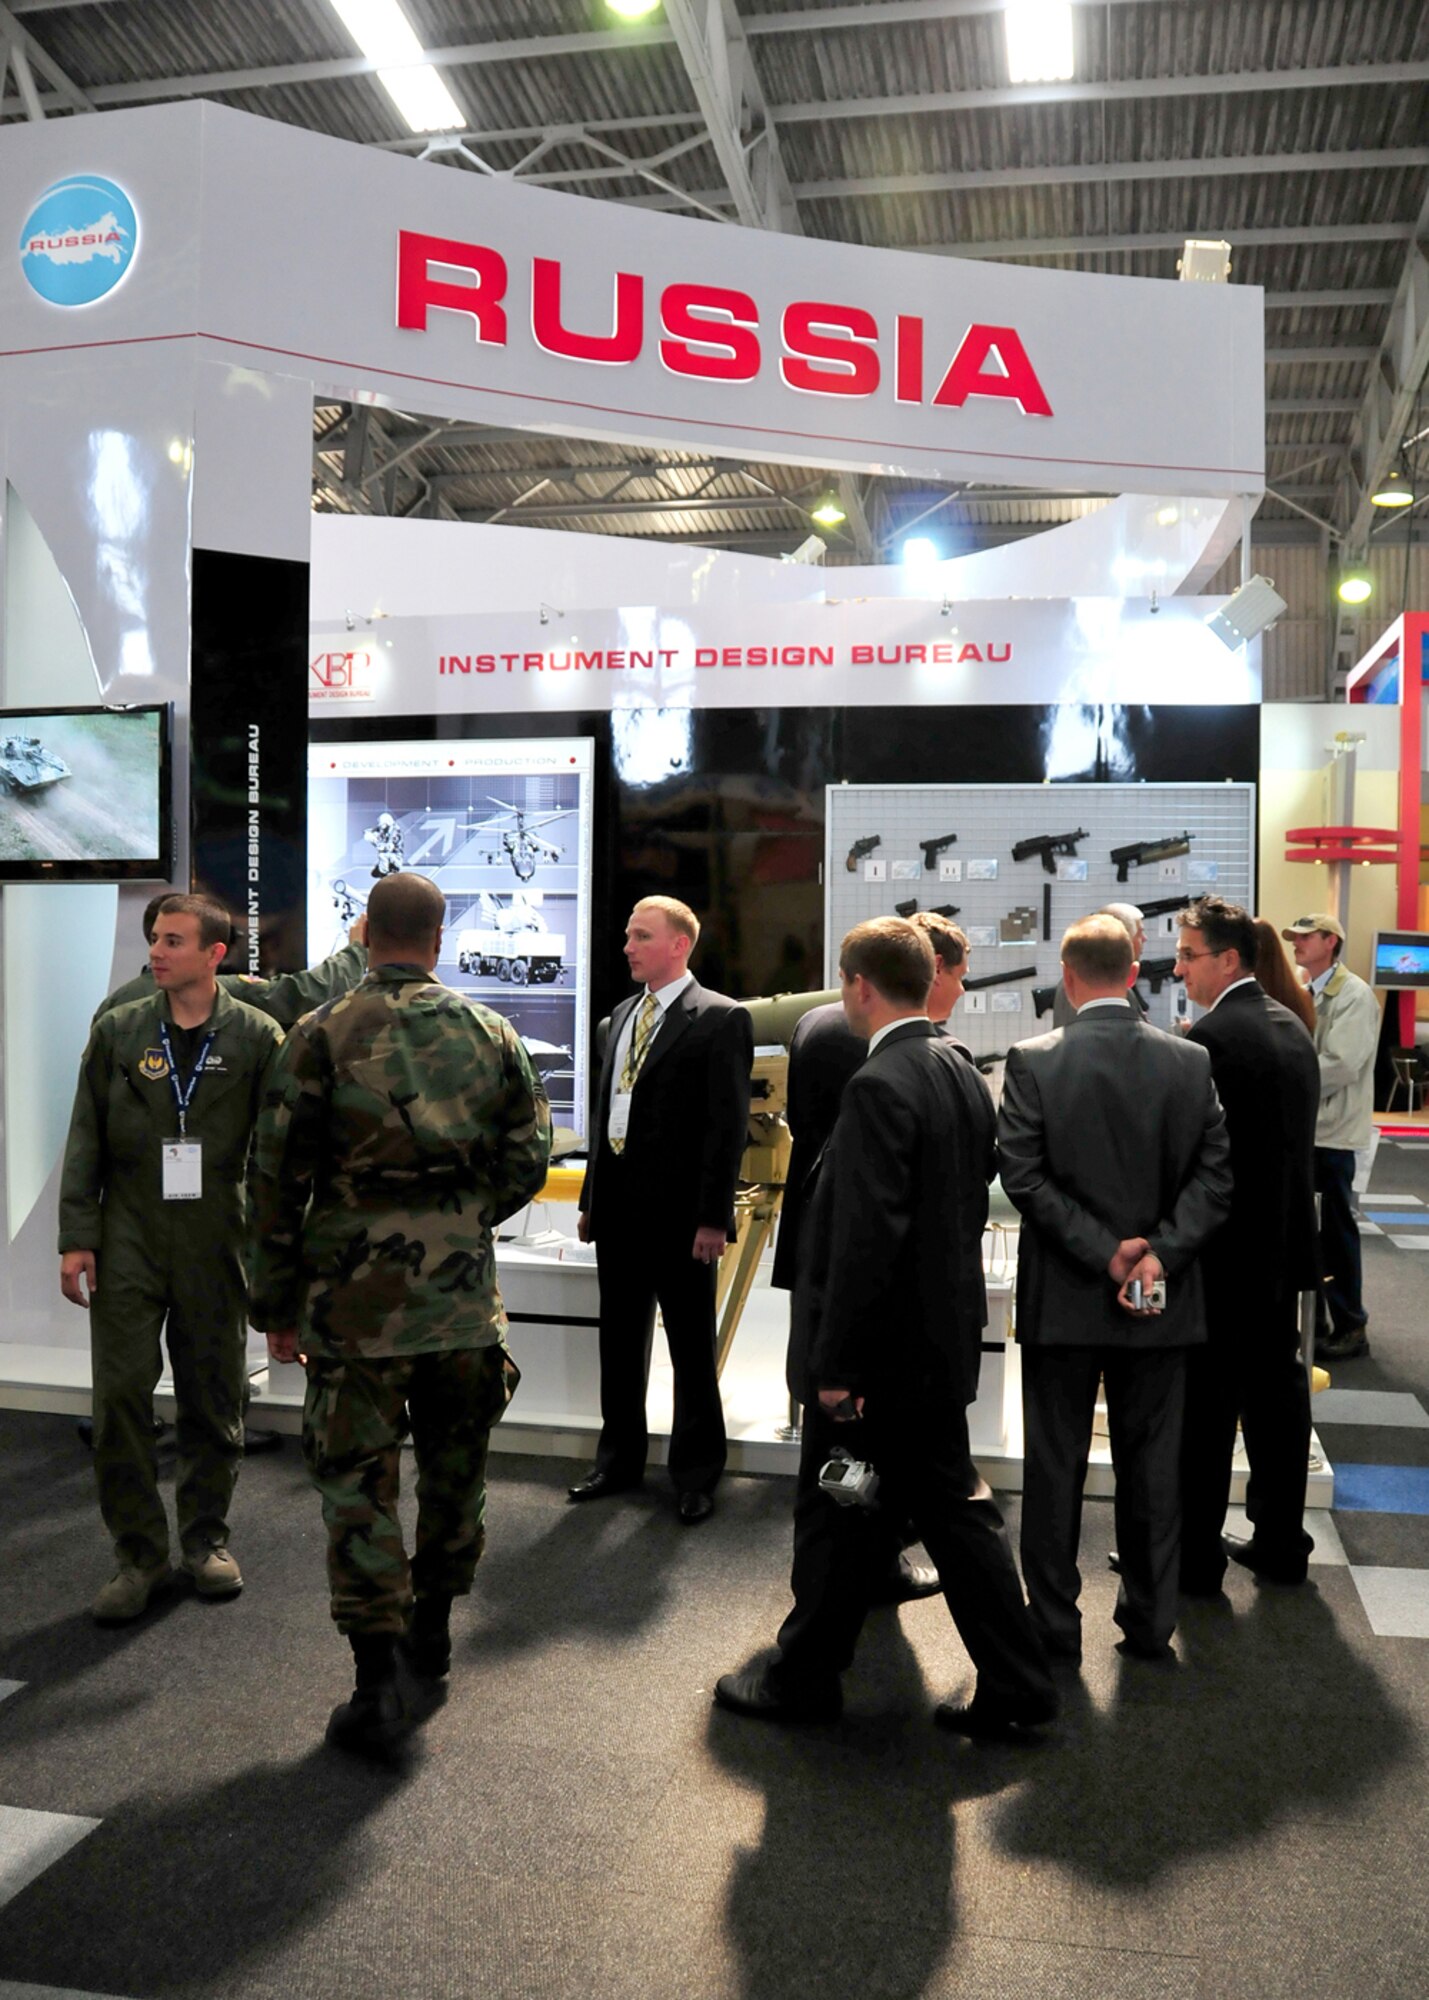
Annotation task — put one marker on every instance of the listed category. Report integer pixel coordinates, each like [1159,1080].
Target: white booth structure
[184,283]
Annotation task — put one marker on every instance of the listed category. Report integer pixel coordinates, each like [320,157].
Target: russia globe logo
[79,240]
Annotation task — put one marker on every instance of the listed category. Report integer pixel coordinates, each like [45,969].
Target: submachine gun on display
[910,909]
[1141,851]
[1156,972]
[1048,845]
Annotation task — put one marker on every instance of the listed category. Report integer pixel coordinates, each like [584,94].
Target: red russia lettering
[711,333]
[552,334]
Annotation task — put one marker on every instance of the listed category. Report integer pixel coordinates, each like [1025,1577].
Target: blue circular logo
[79,240]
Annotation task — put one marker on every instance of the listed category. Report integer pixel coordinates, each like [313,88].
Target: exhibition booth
[550,724]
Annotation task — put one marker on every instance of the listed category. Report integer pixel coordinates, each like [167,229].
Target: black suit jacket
[890,1283]
[1109,1128]
[689,1118]
[1268,1079]
[824,1052]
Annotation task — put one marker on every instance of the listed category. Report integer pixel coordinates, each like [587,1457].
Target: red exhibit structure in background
[1395,671]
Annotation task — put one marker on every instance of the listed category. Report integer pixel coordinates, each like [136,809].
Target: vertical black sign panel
[248,750]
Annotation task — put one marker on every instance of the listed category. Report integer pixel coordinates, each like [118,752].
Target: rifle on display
[866,846]
[1049,844]
[1141,851]
[933,848]
[1167,906]
[1044,998]
[1156,972]
[1000,978]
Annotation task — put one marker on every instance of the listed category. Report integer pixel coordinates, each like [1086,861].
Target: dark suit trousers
[1145,1392]
[843,1554]
[1342,1297]
[1252,1370]
[640,1268]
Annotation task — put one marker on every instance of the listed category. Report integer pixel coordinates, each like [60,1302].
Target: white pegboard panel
[1000,901]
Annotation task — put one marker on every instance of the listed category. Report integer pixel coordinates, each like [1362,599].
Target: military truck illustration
[512,942]
[26,765]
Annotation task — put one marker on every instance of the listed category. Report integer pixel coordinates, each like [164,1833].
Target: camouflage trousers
[202,1321]
[355,1416]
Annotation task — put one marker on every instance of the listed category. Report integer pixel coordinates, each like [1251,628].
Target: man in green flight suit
[285,997]
[151,1234]
[403,1125]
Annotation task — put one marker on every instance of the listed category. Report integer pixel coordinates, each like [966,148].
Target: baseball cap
[1303,926]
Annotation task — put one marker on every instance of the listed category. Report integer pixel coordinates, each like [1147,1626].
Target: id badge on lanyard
[182,1158]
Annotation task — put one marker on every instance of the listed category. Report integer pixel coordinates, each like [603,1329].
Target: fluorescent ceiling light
[1039,41]
[386,37]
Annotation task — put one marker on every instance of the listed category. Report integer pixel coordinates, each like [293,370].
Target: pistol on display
[1000,978]
[1156,972]
[866,846]
[1044,997]
[1141,851]
[1048,845]
[933,848]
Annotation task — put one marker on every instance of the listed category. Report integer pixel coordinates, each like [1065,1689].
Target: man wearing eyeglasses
[1264,1068]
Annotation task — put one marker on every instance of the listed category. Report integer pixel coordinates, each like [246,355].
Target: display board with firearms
[1014,865]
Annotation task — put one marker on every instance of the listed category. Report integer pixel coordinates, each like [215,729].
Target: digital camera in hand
[849,1481]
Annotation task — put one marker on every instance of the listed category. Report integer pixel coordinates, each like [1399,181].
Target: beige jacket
[1346,1038]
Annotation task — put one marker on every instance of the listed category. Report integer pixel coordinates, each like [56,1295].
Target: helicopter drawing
[518,839]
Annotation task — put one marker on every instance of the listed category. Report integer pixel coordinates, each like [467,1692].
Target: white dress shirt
[666,998]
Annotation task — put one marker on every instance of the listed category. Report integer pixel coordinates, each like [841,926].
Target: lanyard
[184,1097]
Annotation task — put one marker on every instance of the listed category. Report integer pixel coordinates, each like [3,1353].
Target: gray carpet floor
[577,1823]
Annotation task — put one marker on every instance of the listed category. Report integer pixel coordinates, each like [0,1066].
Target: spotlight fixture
[1395,491]
[1039,41]
[811,550]
[919,550]
[828,513]
[1356,587]
[1204,261]
[1247,612]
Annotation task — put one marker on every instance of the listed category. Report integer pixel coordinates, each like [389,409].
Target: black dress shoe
[255,1442]
[1351,1345]
[600,1486]
[908,1582]
[754,1693]
[694,1508]
[1269,1569]
[989,1722]
[1154,1652]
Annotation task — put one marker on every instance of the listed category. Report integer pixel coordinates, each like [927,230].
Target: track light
[1247,612]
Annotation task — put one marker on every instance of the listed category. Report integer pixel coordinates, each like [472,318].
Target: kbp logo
[79,240]
[712,334]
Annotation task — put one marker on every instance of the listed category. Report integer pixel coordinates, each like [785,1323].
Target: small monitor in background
[1401,961]
[85,794]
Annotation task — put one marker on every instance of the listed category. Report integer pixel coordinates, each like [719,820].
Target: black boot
[372,1719]
[427,1647]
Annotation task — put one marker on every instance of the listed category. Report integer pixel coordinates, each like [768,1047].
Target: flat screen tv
[1401,961]
[85,794]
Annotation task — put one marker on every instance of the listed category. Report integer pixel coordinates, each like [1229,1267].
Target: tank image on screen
[79,787]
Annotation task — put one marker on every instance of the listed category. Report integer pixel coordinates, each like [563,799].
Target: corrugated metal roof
[860,94]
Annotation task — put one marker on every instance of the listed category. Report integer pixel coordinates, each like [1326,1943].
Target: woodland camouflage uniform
[403,1124]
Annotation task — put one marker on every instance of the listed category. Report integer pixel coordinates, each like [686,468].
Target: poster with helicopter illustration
[504,830]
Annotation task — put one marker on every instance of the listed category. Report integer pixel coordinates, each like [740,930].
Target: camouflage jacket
[403,1123]
[283,998]
[124,1109]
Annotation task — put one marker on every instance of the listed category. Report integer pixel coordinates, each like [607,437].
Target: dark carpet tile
[1374,1444]
[1385,1541]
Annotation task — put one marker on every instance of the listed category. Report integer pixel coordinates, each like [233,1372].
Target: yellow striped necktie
[645,1025]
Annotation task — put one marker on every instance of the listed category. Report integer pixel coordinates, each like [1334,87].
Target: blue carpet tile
[1382,1489]
[1398,1218]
